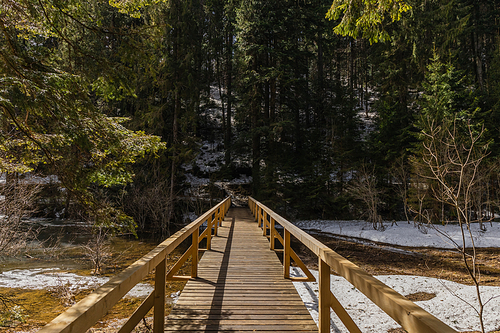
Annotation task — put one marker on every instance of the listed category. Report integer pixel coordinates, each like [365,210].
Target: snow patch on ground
[45,278]
[403,233]
[446,306]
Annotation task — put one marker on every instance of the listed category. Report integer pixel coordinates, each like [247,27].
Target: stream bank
[55,272]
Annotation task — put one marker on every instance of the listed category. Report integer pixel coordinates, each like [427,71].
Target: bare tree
[148,202]
[364,187]
[452,155]
[401,175]
[97,249]
[17,203]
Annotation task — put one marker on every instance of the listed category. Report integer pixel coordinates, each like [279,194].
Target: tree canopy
[118,98]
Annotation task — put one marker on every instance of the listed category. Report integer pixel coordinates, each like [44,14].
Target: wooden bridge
[240,284]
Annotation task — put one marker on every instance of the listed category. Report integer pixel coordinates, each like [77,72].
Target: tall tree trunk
[256,136]
[175,130]
[229,87]
[476,40]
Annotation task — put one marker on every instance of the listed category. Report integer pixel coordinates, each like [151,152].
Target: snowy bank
[448,305]
[407,234]
[45,278]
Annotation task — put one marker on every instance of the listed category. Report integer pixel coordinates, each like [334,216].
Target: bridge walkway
[240,286]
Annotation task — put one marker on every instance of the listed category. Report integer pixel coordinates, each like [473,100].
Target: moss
[31,301]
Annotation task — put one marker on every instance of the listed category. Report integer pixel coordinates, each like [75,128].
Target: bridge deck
[240,286]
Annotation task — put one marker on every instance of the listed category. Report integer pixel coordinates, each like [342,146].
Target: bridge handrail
[410,316]
[84,314]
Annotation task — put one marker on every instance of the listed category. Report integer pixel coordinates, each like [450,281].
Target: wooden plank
[236,327]
[249,316]
[270,320]
[234,297]
[246,309]
[236,291]
[240,303]
[240,286]
[233,331]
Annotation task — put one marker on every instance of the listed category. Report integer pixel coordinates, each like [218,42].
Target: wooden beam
[175,268]
[324,297]
[210,222]
[272,233]
[159,301]
[194,263]
[204,233]
[264,224]
[309,276]
[216,224]
[286,255]
[138,314]
[343,315]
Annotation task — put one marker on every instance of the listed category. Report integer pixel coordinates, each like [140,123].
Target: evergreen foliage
[115,98]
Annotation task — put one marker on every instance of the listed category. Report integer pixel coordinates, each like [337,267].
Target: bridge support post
[210,222]
[217,221]
[194,258]
[324,297]
[273,230]
[286,255]
[264,224]
[159,301]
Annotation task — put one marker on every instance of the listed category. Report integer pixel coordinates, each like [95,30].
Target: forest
[331,114]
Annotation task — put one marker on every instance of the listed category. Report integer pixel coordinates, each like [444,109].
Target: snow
[403,233]
[29,178]
[46,278]
[446,305]
[453,304]
[209,157]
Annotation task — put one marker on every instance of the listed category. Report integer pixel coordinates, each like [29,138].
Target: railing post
[209,232]
[194,263]
[273,230]
[324,297]
[264,222]
[219,218]
[159,302]
[217,221]
[286,255]
[261,217]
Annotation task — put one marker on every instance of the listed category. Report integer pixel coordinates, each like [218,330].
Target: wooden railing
[409,315]
[83,315]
